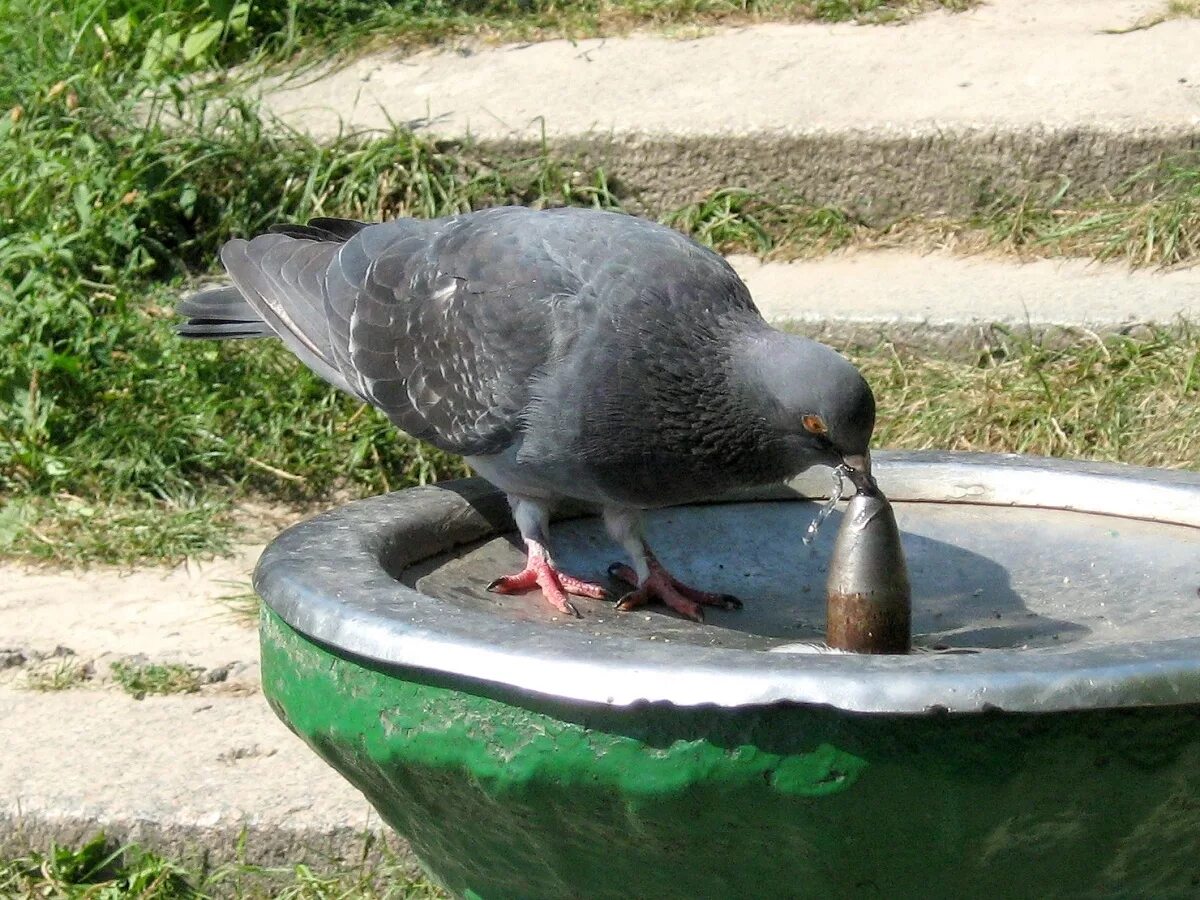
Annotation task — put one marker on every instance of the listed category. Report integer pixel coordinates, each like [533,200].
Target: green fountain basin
[1044,742]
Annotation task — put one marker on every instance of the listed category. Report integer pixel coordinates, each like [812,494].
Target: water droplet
[839,486]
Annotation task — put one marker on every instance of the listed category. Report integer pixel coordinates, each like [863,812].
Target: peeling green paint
[505,794]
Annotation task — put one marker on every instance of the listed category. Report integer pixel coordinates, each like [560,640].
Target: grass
[1175,9]
[121,443]
[735,220]
[342,25]
[100,870]
[142,679]
[58,675]
[242,604]
[1120,398]
[63,527]
[542,19]
[1151,219]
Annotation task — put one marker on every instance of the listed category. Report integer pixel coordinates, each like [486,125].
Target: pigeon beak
[858,470]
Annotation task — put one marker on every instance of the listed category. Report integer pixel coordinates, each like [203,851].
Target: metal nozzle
[869,601]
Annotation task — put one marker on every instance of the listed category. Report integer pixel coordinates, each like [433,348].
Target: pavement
[944,292]
[921,118]
[211,774]
[917,118]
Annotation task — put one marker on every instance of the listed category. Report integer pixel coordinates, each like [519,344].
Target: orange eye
[815,424]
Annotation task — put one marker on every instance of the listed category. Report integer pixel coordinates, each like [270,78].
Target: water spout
[868,597]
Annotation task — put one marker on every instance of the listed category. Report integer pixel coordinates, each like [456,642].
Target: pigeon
[564,353]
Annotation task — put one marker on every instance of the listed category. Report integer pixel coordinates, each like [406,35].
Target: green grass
[733,220]
[65,528]
[157,38]
[355,24]
[120,443]
[341,25]
[99,870]
[141,680]
[108,422]
[437,22]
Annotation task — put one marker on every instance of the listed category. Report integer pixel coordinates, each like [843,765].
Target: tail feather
[220,302]
[277,290]
[292,310]
[295,311]
[218,313]
[216,329]
[321,229]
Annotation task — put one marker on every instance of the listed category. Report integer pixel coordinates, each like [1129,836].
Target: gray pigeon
[565,353]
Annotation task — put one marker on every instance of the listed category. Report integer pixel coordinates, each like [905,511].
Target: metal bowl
[1045,732]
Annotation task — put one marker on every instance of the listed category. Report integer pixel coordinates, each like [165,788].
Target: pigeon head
[816,401]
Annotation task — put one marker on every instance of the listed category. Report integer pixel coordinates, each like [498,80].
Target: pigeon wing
[444,327]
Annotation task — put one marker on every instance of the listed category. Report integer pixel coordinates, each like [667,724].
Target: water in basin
[983,577]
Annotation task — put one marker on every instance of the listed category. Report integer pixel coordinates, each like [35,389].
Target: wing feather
[440,330]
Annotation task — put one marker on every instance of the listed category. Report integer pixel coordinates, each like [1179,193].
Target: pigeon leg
[540,571]
[650,580]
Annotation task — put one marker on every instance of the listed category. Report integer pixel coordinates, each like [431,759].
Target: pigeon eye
[815,424]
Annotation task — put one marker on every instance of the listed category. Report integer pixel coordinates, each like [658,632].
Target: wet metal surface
[982,577]
[1057,608]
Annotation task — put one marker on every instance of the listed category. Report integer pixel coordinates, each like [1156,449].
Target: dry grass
[57,674]
[242,604]
[1151,219]
[1175,9]
[1122,398]
[535,20]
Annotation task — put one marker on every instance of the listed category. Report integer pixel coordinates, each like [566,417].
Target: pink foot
[539,572]
[685,600]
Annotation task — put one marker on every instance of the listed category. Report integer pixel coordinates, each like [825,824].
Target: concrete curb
[205,779]
[208,847]
[209,777]
[898,291]
[878,176]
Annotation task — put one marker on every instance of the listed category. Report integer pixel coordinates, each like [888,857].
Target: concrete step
[209,776]
[944,293]
[202,778]
[922,118]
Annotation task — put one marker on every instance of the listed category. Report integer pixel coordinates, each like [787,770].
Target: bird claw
[643,595]
[728,601]
[513,584]
[555,585]
[685,600]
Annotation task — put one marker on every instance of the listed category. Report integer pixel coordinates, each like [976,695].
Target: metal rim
[325,578]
